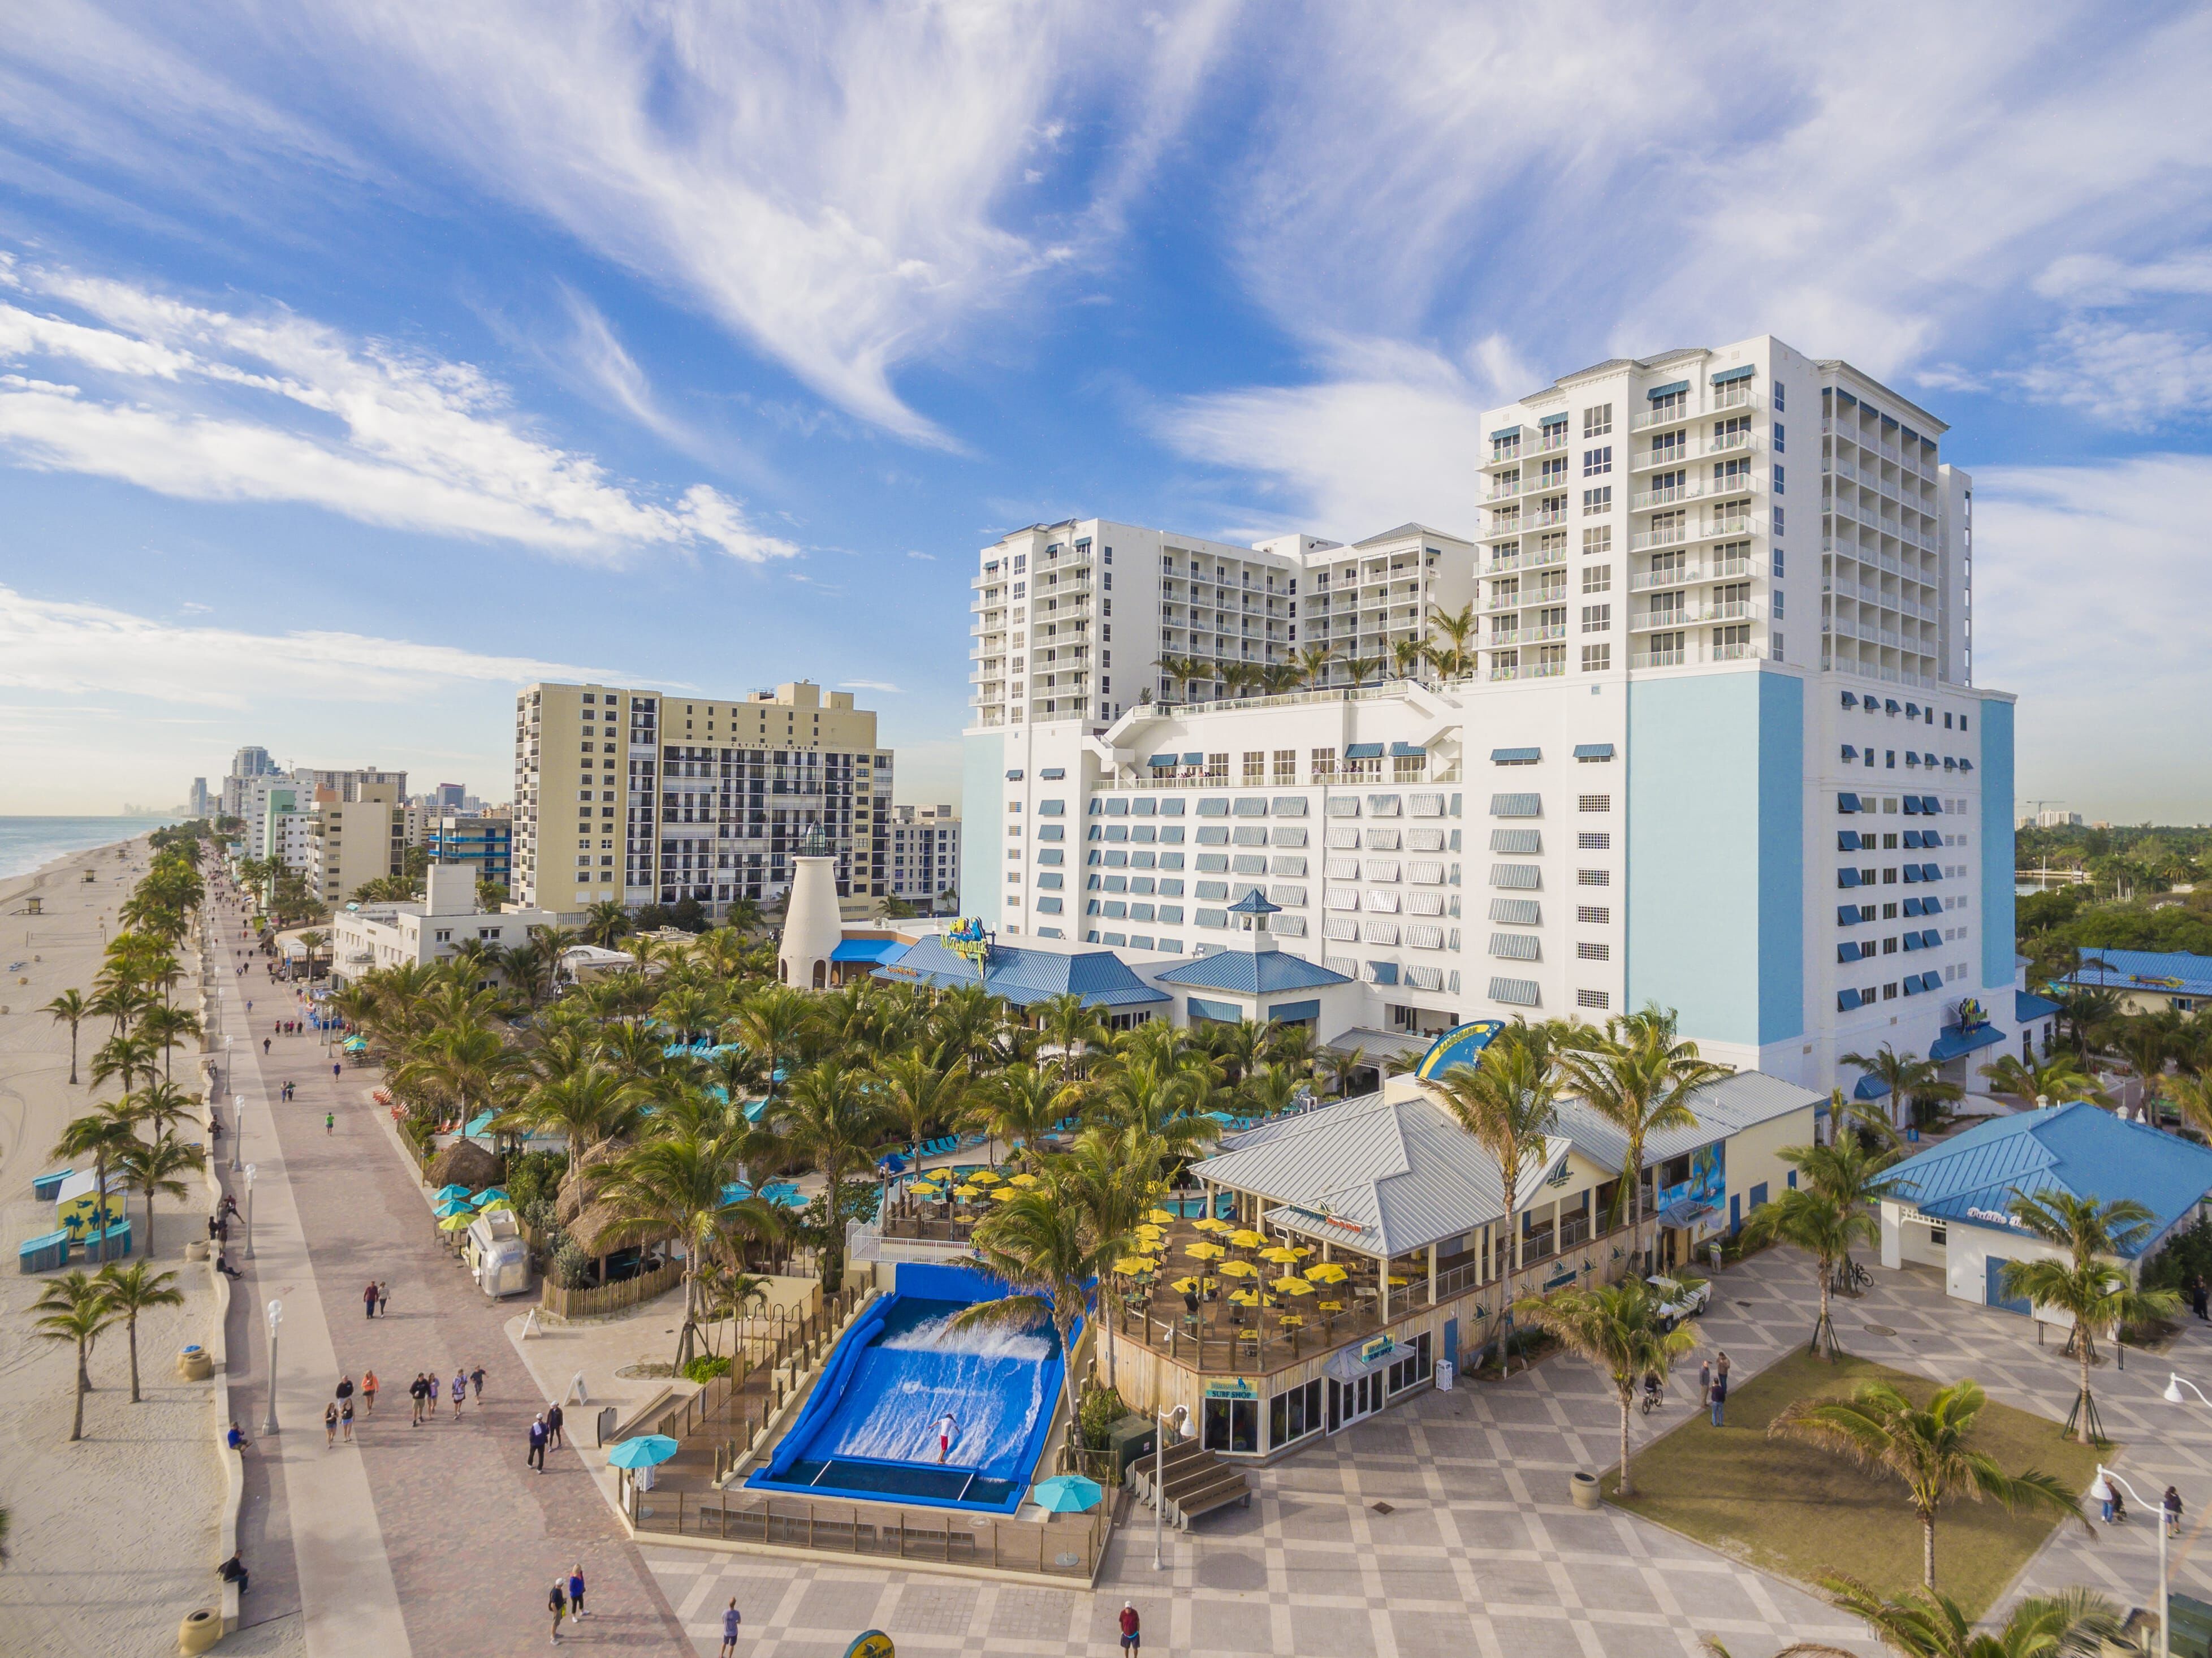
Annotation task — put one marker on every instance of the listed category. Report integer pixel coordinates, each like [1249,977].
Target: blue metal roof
[1250,972]
[2175,971]
[1023,976]
[869,949]
[2077,1149]
[2027,1004]
[1953,1042]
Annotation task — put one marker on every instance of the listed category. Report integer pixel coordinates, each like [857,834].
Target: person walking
[1705,1380]
[730,1622]
[460,1390]
[2200,1300]
[558,1602]
[430,1391]
[536,1458]
[576,1590]
[415,1393]
[345,1420]
[1719,1395]
[343,1392]
[368,1301]
[475,1380]
[264,1040]
[1133,1639]
[368,1394]
[336,1070]
[329,1122]
[383,1297]
[2172,1507]
[554,1419]
[329,1424]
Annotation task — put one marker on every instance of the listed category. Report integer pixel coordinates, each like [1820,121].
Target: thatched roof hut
[580,1184]
[465,1164]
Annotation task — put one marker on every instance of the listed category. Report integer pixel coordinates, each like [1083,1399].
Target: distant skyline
[359,365]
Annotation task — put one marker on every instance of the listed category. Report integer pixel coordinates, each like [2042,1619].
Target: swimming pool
[869,1430]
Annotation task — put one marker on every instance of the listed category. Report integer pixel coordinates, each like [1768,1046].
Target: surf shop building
[1399,1220]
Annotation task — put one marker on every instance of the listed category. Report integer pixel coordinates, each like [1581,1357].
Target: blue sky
[359,361]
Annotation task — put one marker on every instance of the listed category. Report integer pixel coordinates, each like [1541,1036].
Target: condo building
[925,854]
[357,831]
[635,797]
[1649,783]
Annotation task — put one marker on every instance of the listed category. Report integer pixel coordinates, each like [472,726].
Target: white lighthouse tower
[811,923]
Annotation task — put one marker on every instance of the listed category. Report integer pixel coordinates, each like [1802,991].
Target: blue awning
[1667,390]
[1912,802]
[869,949]
[1553,420]
[1966,765]
[1870,1088]
[1847,1002]
[1516,756]
[1851,752]
[1912,711]
[1932,805]
[1053,774]
[1951,1043]
[1593,751]
[1291,1012]
[1847,877]
[1013,777]
[1890,703]
[1949,764]
[1847,839]
[1847,914]
[1162,762]
[1382,973]
[1850,699]
[1408,751]
[1363,751]
[1847,802]
[1505,432]
[1727,374]
[1194,760]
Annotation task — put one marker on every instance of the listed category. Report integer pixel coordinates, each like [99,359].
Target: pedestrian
[330,1120]
[264,1040]
[383,1297]
[368,1394]
[415,1392]
[2172,1507]
[345,1420]
[730,1622]
[1721,1368]
[329,1424]
[1133,1639]
[2200,1300]
[536,1459]
[558,1601]
[336,1070]
[554,1419]
[369,1300]
[460,1390]
[476,1377]
[430,1391]
[2107,1503]
[1720,1396]
[1705,1380]
[576,1590]
[343,1392]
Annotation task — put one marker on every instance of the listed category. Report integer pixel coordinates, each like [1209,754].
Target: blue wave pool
[869,1429]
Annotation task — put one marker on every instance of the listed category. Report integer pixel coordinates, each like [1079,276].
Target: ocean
[27,842]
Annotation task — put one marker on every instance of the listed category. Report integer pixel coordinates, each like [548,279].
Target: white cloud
[2096,279]
[2090,604]
[884,685]
[205,405]
[75,650]
[2123,374]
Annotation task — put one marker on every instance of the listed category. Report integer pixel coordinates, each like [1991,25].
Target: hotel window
[1597,840]
[1597,421]
[1596,463]
[1597,618]
[1597,578]
[1256,766]
[1596,998]
[1594,803]
[1597,658]
[1597,501]
[1593,878]
[1286,767]
[1324,765]
[1587,951]
[1593,915]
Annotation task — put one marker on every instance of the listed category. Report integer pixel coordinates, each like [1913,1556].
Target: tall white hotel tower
[1716,743]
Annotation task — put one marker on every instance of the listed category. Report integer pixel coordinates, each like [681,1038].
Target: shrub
[570,1268]
[2186,1257]
[533,1176]
[1099,1412]
[703,1369]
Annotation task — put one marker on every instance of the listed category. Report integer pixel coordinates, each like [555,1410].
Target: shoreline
[23,884]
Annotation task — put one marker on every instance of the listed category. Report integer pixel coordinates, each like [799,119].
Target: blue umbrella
[487,1195]
[647,1450]
[446,1193]
[452,1206]
[1066,1493]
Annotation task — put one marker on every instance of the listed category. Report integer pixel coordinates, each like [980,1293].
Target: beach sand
[112,1539]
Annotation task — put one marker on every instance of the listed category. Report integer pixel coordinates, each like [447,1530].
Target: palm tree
[128,1057]
[1508,1104]
[2059,1078]
[1020,1106]
[1908,1076]
[162,1104]
[1459,628]
[1312,661]
[772,1023]
[677,1186]
[1112,1178]
[1361,669]
[1922,1624]
[585,1107]
[130,1291]
[606,921]
[830,1118]
[1850,1176]
[1341,1065]
[2098,1295]
[1825,1230]
[2090,1014]
[1619,1330]
[74,1307]
[919,1095]
[100,1134]
[1643,1079]
[1406,656]
[1041,1246]
[311,941]
[153,1169]
[164,1027]
[70,1007]
[1925,1449]
[1070,1025]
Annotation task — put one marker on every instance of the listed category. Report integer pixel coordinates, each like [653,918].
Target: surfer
[946,1427]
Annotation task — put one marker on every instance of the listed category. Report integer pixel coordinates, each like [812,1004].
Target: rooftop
[2077,1149]
[1250,972]
[1023,976]
[2141,969]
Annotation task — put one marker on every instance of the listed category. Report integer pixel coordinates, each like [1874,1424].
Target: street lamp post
[276,1317]
[2102,1490]
[249,1211]
[1178,1416]
[237,1132]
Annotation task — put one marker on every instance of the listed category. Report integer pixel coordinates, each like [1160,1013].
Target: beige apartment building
[356,831]
[638,796]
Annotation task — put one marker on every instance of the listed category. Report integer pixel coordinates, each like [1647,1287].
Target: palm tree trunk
[83,1386]
[130,1327]
[1825,1327]
[2081,1341]
[1928,1550]
[72,1053]
[100,1199]
[1628,1486]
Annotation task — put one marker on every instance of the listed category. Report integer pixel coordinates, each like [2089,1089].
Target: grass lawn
[1801,1512]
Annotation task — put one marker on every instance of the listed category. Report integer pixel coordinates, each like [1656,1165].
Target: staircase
[1193,1482]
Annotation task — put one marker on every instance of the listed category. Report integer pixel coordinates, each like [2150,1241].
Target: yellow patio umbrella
[1290,1285]
[967,1193]
[1134,1264]
[1211,1224]
[1326,1271]
[1160,1217]
[1245,1297]
[1239,1269]
[1003,1193]
[1281,1253]
[922,1189]
[454,1223]
[1247,1239]
[1397,1282]
[1204,1251]
[983,1177]
[1023,1179]
[1185,1286]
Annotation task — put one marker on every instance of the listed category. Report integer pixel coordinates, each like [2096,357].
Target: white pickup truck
[1679,1300]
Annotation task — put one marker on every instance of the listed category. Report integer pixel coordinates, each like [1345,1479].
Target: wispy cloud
[78,650]
[206,405]
[884,685]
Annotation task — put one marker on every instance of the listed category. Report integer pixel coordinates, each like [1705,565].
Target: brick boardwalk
[475,1536]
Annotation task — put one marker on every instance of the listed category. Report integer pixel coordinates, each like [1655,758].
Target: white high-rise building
[1649,783]
[925,854]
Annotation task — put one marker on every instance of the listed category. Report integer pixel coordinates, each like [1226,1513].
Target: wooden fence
[1066,1546]
[610,1298]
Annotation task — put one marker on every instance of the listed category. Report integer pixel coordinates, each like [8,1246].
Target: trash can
[1446,1373]
[1129,1439]
[1582,1487]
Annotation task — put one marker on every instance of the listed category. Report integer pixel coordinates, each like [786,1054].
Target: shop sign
[1235,1388]
[1381,1347]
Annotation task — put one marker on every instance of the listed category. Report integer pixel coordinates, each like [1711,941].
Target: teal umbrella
[452,1206]
[1066,1493]
[647,1450]
[487,1195]
[447,1193]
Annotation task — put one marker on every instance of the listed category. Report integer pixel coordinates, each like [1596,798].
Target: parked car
[1679,1300]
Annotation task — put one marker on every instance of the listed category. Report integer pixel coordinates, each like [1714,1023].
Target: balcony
[1686,535]
[1736,443]
[1743,483]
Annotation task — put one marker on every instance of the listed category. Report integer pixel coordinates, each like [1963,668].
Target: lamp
[237,1130]
[249,1210]
[275,1311]
[2101,1488]
[2174,1395]
[1178,1416]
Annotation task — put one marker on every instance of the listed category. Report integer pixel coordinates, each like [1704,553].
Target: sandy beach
[112,1537]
